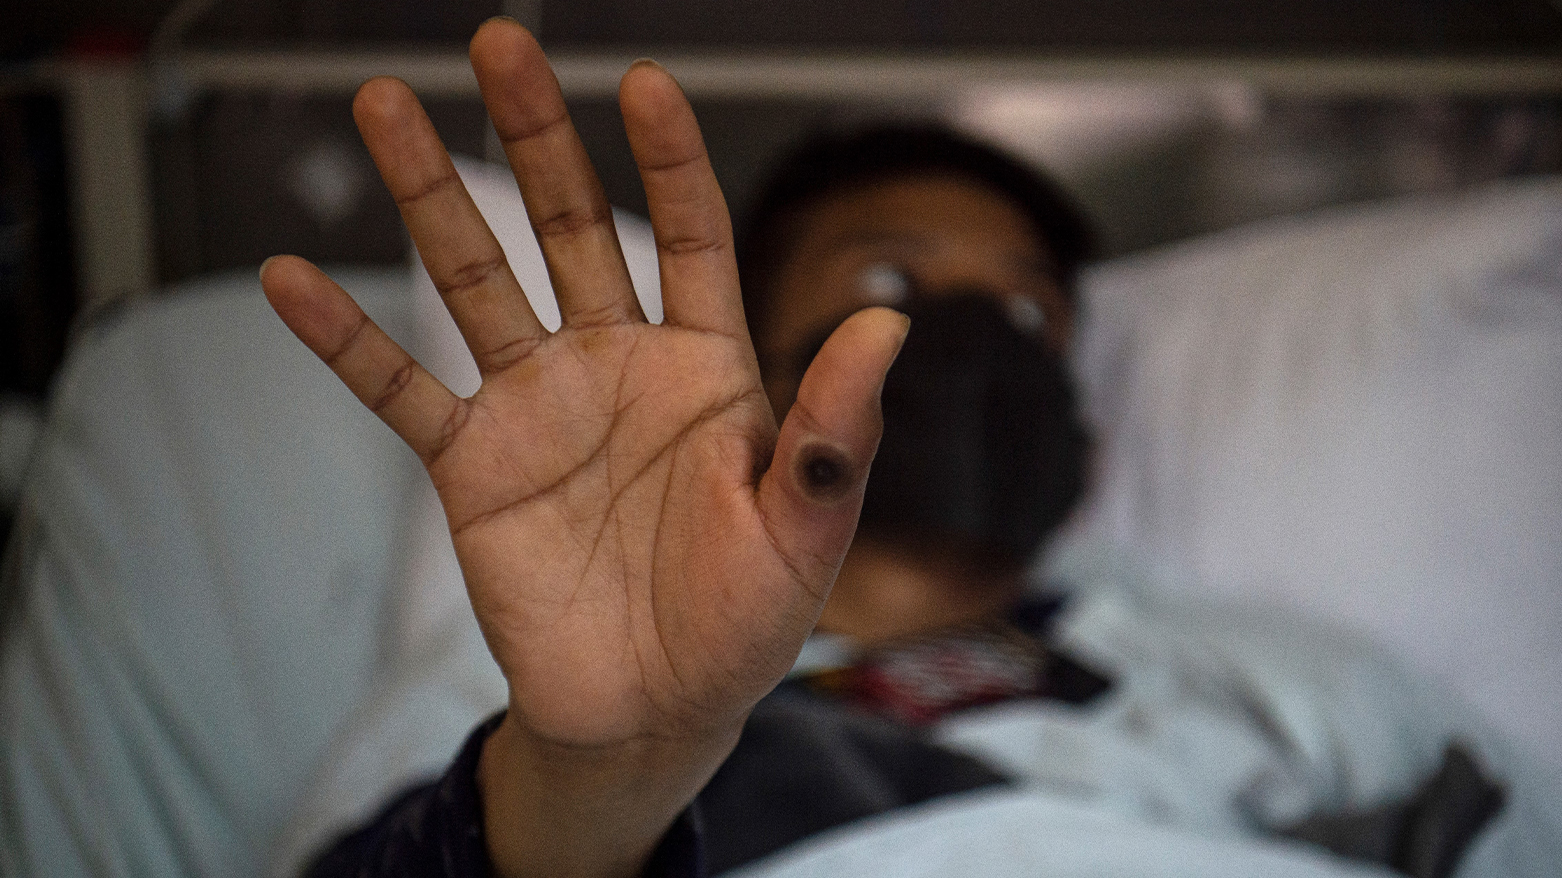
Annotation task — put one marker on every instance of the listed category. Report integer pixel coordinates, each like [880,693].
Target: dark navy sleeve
[436,831]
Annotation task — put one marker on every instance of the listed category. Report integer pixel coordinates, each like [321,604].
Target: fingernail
[905,330]
[269,260]
[647,62]
[505,18]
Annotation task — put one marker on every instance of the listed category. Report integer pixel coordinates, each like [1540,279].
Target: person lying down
[713,667]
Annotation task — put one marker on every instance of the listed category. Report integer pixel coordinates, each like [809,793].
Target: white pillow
[1357,413]
[199,569]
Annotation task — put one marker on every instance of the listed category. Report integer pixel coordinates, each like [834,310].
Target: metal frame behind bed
[107,103]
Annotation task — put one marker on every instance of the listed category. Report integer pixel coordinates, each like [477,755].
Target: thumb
[812,493]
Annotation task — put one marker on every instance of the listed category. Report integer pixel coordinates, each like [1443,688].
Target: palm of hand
[601,495]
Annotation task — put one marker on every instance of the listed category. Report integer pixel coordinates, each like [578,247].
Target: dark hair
[829,163]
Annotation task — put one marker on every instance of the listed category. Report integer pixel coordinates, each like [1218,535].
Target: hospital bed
[233,622]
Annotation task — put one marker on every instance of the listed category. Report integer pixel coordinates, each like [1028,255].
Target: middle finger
[564,199]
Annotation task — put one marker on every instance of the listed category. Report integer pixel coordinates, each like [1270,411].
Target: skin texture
[947,233]
[644,549]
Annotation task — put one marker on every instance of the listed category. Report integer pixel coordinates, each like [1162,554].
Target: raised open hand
[645,552]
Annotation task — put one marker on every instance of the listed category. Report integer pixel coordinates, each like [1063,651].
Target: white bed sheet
[1222,724]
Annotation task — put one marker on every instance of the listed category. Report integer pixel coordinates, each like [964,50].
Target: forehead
[945,231]
[922,206]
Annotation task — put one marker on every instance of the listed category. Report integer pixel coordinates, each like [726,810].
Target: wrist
[565,810]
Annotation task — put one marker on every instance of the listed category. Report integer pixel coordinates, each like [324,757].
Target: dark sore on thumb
[824,473]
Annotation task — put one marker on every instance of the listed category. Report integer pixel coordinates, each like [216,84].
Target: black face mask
[983,447]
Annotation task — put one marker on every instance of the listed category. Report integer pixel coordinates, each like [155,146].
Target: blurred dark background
[1377,26]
